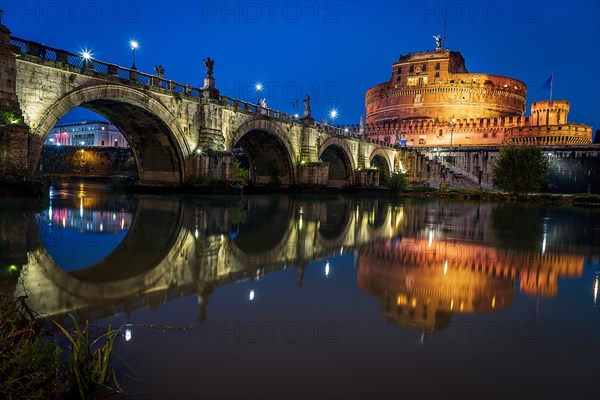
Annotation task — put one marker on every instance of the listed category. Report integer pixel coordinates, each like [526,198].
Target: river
[318,296]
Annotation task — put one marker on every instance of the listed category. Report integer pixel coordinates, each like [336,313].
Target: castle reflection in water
[425,260]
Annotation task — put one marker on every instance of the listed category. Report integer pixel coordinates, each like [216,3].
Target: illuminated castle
[431,100]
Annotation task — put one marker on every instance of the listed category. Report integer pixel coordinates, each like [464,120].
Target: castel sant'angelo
[432,100]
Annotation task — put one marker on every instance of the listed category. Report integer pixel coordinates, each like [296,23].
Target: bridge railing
[132,75]
[256,108]
[78,61]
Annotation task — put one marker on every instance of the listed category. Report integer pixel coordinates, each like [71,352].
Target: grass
[30,357]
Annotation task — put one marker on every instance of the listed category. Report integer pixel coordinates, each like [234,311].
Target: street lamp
[134,45]
[452,130]
[87,56]
[333,114]
[259,88]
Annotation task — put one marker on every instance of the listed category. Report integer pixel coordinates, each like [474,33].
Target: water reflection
[423,260]
[378,276]
[83,225]
[422,282]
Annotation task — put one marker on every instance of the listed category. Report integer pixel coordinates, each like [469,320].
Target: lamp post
[134,45]
[452,130]
[259,88]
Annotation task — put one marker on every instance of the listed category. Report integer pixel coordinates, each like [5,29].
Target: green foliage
[89,362]
[8,117]
[397,182]
[239,175]
[520,169]
[29,363]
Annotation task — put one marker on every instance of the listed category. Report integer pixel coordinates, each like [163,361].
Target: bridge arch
[337,153]
[269,151]
[380,159]
[157,142]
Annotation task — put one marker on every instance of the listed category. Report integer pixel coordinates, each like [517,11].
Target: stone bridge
[177,132]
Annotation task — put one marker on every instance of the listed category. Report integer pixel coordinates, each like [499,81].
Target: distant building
[86,133]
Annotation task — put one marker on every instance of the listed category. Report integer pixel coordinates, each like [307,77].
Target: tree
[397,182]
[520,169]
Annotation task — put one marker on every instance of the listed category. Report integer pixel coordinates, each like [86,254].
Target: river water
[312,297]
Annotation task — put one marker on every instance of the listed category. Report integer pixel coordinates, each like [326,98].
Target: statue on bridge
[307,106]
[209,63]
[361,127]
[160,71]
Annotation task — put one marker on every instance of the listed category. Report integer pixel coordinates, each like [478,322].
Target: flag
[549,82]
[296,104]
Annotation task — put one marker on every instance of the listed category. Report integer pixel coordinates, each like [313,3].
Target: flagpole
[551,84]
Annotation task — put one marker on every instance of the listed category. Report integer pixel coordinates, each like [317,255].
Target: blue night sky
[333,51]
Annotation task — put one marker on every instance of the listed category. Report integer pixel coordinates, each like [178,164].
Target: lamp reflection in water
[327,269]
[596,289]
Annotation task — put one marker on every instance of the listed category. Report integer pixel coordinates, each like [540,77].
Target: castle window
[398,79]
[437,74]
[424,67]
[485,135]
[411,69]
[399,71]
[437,66]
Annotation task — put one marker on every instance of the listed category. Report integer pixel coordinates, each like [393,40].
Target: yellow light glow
[494,302]
[445,267]
[413,302]
[402,300]
[451,304]
[596,290]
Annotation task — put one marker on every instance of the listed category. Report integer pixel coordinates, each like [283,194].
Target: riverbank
[36,188]
[487,195]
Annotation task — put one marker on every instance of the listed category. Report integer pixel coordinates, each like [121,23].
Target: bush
[520,169]
[397,182]
[240,175]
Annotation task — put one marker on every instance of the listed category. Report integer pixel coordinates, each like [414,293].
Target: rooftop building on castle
[86,133]
[432,100]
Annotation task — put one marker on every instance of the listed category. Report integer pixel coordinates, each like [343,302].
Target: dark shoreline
[37,188]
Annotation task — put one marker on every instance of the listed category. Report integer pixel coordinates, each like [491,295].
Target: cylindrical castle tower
[550,112]
[436,85]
